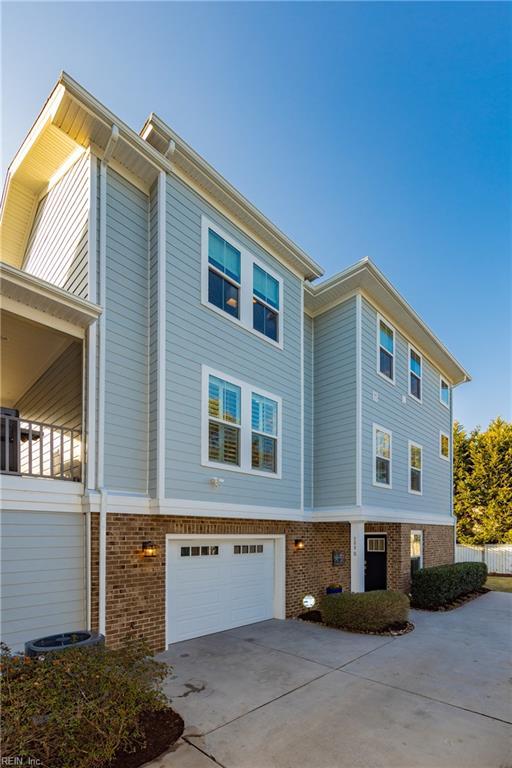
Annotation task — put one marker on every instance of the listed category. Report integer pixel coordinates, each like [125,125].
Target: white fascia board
[367,279]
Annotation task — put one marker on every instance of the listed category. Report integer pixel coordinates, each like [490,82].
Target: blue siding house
[197,431]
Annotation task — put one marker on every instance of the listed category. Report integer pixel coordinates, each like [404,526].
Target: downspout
[100,474]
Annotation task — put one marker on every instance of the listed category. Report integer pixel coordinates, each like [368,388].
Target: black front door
[375,562]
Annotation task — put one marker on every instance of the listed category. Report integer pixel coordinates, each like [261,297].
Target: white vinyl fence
[498,557]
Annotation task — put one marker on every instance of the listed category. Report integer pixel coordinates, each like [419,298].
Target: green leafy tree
[482,478]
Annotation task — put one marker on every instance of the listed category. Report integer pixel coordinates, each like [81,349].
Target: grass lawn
[499,583]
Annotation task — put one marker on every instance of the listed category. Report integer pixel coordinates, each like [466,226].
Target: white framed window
[240,287]
[444,392]
[382,456]
[444,446]
[240,426]
[415,374]
[385,349]
[415,468]
[416,551]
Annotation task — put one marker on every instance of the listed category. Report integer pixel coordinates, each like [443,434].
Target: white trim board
[374,514]
[279,540]
[133,504]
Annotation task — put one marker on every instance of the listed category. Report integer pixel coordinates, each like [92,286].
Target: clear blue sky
[376,129]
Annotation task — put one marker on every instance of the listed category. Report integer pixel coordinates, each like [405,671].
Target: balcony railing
[39,450]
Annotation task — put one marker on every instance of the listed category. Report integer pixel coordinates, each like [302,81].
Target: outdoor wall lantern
[299,544]
[148,549]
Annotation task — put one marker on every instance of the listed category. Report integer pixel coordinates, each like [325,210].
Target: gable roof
[365,278]
[71,121]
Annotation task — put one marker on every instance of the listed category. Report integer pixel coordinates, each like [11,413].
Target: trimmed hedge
[440,585]
[365,611]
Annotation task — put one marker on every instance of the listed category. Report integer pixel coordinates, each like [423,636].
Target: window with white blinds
[241,426]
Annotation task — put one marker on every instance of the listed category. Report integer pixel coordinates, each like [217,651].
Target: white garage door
[217,585]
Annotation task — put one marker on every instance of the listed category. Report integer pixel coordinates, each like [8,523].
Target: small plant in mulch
[86,708]
[445,587]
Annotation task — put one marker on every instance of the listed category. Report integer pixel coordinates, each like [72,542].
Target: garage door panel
[209,593]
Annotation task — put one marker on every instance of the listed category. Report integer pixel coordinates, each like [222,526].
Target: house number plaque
[337,557]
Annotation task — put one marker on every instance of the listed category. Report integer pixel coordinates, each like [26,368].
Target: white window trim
[412,444]
[421,550]
[247,260]
[382,375]
[441,435]
[246,391]
[374,456]
[442,379]
[410,349]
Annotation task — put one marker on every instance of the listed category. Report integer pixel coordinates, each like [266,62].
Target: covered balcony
[42,402]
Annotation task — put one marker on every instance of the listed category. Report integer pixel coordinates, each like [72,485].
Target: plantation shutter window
[224,401]
[264,433]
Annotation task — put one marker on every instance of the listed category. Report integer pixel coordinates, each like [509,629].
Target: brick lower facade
[135,604]
[136,585]
[438,549]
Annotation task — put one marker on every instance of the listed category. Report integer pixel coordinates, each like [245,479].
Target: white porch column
[357,556]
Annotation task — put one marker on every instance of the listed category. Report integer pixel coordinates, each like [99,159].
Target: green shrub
[76,708]
[434,587]
[365,611]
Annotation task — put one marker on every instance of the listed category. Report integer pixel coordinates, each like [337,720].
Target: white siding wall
[57,246]
[43,574]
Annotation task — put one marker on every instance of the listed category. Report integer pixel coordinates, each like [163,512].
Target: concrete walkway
[287,694]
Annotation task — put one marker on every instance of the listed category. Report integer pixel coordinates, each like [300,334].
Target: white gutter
[100,473]
[161,324]
[102,575]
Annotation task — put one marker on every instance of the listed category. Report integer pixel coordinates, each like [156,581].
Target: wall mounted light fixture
[148,549]
[299,544]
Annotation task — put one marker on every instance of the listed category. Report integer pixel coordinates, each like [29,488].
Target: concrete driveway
[287,694]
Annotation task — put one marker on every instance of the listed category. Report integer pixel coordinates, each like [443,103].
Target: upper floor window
[265,303]
[386,349]
[240,287]
[415,468]
[382,439]
[444,446]
[223,274]
[444,392]
[415,373]
[241,426]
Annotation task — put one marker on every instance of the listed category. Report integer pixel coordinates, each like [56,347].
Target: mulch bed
[457,602]
[161,729]
[394,630]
